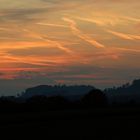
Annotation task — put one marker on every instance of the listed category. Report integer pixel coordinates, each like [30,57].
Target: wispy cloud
[121,35]
[81,35]
[131,18]
[129,50]
[98,22]
[3,29]
[45,38]
[137,37]
[124,36]
[53,25]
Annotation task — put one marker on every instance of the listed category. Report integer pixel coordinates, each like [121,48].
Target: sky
[91,42]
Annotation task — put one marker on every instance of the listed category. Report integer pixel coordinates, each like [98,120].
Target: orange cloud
[22,44]
[45,39]
[129,50]
[124,36]
[132,18]
[53,25]
[4,29]
[99,21]
[121,35]
[137,37]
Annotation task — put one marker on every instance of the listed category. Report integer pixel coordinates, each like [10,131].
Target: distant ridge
[63,90]
[125,93]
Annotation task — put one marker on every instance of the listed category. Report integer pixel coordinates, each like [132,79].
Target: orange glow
[58,36]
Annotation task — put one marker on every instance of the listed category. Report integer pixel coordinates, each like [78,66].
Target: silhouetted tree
[94,98]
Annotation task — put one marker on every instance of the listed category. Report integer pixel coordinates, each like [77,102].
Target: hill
[72,92]
[125,93]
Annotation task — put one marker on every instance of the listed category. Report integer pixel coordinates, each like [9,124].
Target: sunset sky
[94,42]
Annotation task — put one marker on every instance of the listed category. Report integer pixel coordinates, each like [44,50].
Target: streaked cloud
[132,19]
[124,36]
[53,25]
[129,50]
[121,35]
[81,35]
[44,38]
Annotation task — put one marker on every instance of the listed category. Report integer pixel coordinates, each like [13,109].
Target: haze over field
[68,42]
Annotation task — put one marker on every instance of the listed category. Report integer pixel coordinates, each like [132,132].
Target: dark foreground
[105,123]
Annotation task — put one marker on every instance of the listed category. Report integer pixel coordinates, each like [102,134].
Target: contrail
[131,50]
[131,19]
[53,25]
[55,43]
[124,36]
[81,35]
[97,22]
[121,35]
[135,37]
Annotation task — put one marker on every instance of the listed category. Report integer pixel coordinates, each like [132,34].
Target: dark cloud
[21,14]
[27,14]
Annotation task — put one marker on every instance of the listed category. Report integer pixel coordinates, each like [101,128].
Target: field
[105,123]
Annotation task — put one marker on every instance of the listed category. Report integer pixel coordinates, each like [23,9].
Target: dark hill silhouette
[47,90]
[125,93]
